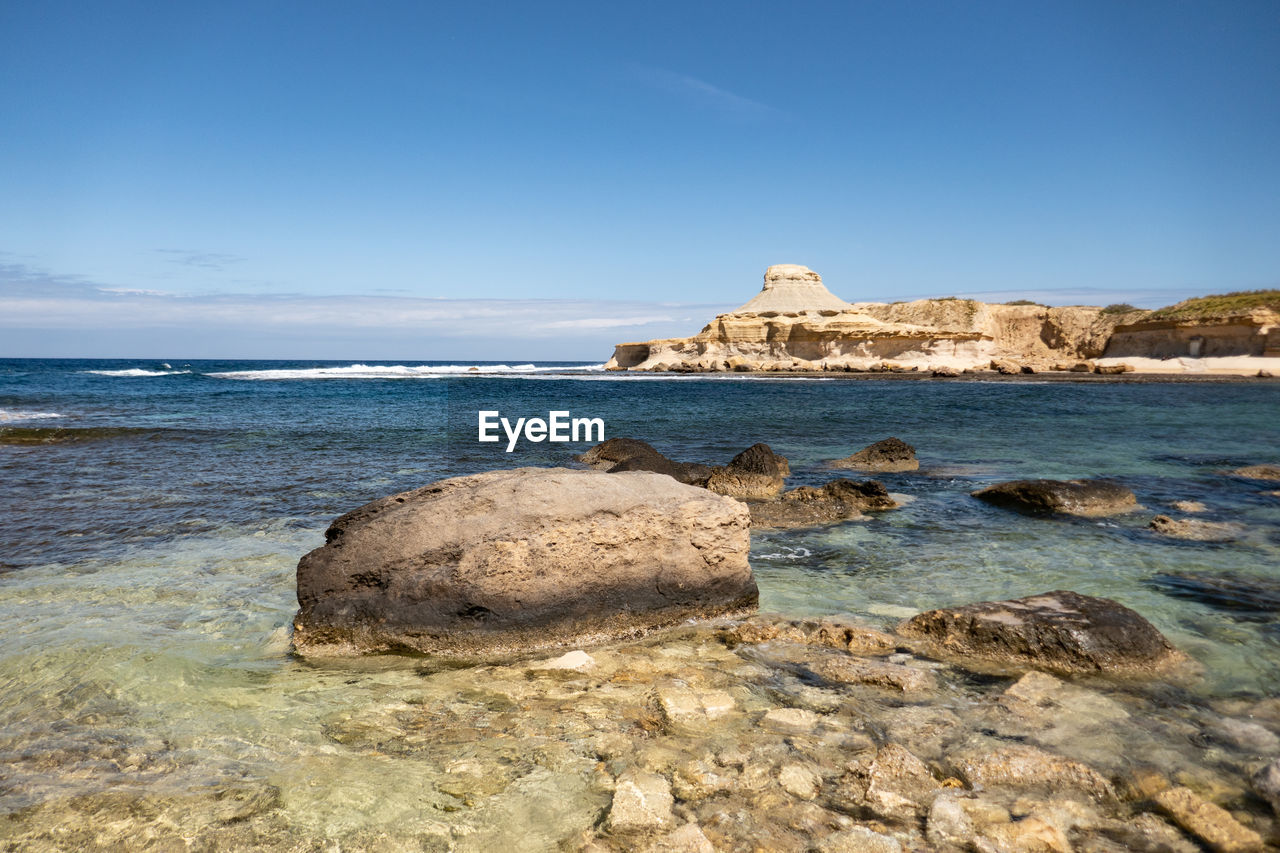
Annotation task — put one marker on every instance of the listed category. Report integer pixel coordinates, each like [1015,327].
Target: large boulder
[1059,631]
[807,506]
[1070,497]
[886,455]
[754,474]
[514,561]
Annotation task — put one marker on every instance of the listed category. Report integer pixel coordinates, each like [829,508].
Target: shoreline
[983,376]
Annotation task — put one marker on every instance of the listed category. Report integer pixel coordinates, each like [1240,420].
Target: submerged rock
[1210,823]
[808,506]
[1070,497]
[832,632]
[1266,782]
[1029,767]
[522,560]
[1259,472]
[1195,529]
[1061,631]
[886,455]
[1245,595]
[894,785]
[641,801]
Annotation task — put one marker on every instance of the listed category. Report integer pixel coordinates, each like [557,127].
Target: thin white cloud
[701,92]
[608,322]
[36,300]
[212,261]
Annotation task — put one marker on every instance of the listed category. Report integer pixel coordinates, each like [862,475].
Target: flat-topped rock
[1258,472]
[793,288]
[1060,631]
[1068,497]
[510,562]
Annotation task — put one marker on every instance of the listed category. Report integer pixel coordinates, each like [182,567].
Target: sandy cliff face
[795,323]
[1027,332]
[1254,332]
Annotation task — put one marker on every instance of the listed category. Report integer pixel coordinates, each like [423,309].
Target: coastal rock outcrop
[1060,631]
[795,324]
[1258,472]
[754,474]
[1069,497]
[522,560]
[1194,529]
[808,506]
[887,455]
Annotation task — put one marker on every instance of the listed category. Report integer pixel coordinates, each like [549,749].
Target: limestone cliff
[1230,324]
[795,324]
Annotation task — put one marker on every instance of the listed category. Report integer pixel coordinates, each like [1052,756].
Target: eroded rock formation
[796,324]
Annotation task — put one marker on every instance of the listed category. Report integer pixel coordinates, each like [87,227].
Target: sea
[152,514]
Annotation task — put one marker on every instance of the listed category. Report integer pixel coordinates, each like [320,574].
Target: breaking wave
[399,371]
[135,372]
[11,415]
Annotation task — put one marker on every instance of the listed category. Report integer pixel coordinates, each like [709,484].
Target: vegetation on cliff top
[1220,305]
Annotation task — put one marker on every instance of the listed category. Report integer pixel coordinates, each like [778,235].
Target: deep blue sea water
[153,512]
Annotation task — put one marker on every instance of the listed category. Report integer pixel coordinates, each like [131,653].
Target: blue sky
[541,180]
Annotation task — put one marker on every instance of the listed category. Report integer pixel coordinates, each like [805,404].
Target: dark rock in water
[609,453]
[759,458]
[1259,472]
[1071,497]
[1060,631]
[887,455]
[1195,530]
[806,506]
[689,473]
[631,454]
[509,562]
[754,474]
[1242,595]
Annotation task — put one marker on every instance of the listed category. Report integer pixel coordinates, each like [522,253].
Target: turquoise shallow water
[152,528]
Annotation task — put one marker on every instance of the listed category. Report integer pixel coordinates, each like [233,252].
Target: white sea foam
[11,415]
[796,553]
[135,371]
[400,371]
